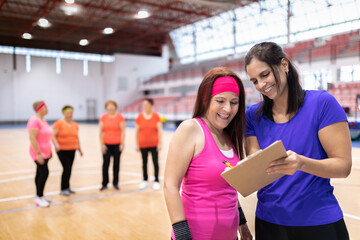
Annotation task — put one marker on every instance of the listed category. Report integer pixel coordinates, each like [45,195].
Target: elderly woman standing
[112,138]
[40,134]
[66,133]
[148,134]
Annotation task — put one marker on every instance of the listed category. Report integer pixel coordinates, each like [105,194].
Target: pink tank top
[43,138]
[210,203]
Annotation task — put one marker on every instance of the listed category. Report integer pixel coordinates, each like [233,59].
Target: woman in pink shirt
[208,207]
[40,134]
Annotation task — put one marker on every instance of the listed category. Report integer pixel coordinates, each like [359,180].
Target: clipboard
[249,175]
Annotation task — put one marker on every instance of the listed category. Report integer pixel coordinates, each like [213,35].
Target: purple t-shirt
[301,199]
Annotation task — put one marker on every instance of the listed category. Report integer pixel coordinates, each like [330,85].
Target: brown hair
[111,102]
[236,127]
[37,104]
[150,100]
[272,54]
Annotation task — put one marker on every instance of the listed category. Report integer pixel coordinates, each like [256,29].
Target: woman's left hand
[57,147]
[288,165]
[159,147]
[121,147]
[245,233]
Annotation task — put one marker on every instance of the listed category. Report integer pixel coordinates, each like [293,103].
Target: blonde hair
[37,104]
[111,102]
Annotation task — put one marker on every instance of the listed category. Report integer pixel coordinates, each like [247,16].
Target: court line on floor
[58,173]
[351,216]
[33,170]
[151,178]
[78,199]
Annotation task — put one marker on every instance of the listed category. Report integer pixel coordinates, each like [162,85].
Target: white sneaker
[41,202]
[143,185]
[156,186]
[47,199]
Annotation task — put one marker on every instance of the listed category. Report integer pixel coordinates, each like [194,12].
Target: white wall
[131,69]
[19,89]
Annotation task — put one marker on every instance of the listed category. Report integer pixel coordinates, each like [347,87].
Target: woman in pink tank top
[208,207]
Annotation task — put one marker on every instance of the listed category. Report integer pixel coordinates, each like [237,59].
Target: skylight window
[264,21]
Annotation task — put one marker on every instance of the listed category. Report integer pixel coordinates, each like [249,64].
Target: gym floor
[110,214]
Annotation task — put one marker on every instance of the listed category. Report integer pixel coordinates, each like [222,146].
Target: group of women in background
[64,134]
[148,132]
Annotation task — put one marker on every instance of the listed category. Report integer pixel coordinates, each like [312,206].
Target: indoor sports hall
[82,53]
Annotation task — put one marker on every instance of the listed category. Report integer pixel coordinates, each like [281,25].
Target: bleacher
[346,94]
[160,103]
[178,107]
[181,109]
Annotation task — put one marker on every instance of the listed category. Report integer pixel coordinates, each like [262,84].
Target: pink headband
[225,84]
[39,107]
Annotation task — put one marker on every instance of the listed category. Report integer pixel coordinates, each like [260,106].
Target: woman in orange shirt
[67,142]
[112,137]
[148,129]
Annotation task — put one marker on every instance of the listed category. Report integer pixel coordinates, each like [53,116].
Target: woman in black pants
[67,142]
[148,130]
[112,137]
[40,134]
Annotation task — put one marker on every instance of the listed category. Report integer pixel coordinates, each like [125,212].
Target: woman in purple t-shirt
[301,204]
[40,134]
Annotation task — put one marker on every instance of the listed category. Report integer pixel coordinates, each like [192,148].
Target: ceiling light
[27,36]
[70,1]
[108,30]
[43,22]
[84,42]
[143,14]
[70,9]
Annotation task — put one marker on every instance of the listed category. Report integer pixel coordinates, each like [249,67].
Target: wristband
[241,217]
[101,141]
[181,230]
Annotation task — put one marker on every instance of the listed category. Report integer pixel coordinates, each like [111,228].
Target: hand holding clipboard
[250,175]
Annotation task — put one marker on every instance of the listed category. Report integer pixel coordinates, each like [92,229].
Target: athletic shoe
[71,191]
[65,192]
[103,188]
[41,202]
[47,199]
[143,185]
[156,186]
[116,187]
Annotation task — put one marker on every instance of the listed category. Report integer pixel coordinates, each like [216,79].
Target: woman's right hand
[103,148]
[40,159]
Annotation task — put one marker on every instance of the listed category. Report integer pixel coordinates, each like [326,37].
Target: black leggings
[154,154]
[112,150]
[42,173]
[269,231]
[67,159]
